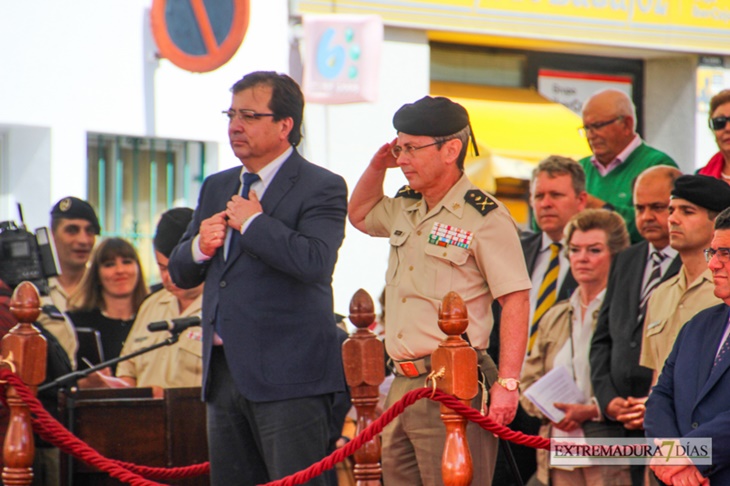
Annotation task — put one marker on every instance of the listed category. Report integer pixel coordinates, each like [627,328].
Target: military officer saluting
[445,234]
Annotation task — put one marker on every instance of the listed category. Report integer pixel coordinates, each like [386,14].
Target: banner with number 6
[342,58]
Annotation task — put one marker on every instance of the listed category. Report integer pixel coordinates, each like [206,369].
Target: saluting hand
[383,158]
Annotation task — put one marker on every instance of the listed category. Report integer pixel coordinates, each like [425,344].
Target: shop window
[473,65]
[133,180]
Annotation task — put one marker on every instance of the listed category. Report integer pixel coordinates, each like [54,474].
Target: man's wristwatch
[509,383]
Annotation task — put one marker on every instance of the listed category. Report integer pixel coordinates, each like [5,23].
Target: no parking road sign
[199,35]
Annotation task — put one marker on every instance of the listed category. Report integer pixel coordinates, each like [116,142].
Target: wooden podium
[129,425]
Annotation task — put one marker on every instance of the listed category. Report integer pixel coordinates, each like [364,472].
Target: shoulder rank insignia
[480,201]
[406,191]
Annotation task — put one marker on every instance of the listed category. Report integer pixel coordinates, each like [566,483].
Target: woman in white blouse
[593,237]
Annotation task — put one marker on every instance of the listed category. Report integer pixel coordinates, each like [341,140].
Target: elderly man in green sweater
[619,154]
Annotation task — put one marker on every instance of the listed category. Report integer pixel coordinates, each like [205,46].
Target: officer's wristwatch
[509,383]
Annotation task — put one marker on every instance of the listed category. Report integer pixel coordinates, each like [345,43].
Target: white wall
[343,138]
[73,67]
[28,154]
[669,102]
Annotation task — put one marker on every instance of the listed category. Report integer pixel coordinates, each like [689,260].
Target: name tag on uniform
[652,325]
[444,234]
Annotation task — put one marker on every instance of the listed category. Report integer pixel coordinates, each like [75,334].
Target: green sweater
[615,187]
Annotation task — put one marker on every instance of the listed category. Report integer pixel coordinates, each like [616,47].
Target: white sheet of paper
[556,386]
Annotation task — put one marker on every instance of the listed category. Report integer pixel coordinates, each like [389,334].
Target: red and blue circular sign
[199,35]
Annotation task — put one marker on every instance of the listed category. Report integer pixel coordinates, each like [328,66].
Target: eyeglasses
[397,150]
[597,126]
[719,122]
[246,116]
[723,254]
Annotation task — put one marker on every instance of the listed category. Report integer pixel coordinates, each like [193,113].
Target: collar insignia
[406,191]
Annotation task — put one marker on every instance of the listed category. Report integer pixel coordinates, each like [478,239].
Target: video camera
[25,256]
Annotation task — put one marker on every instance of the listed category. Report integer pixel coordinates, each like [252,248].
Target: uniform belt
[412,369]
[421,366]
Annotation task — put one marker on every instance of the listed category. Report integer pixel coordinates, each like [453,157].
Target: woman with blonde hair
[109,295]
[593,237]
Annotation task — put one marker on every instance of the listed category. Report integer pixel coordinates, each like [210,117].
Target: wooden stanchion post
[363,358]
[454,366]
[23,350]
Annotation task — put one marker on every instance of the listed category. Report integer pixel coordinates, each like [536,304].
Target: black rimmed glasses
[719,122]
[246,116]
[583,131]
[409,150]
[723,254]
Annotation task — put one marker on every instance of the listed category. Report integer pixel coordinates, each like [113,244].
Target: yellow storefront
[516,121]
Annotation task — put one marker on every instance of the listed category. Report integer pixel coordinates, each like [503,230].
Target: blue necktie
[249,178]
[722,354]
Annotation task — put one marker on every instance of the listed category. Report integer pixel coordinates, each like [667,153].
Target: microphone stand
[75,375]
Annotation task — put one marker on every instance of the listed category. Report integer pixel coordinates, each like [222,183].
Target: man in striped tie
[558,192]
[619,383]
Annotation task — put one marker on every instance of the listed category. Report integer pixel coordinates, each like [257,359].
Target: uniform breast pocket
[188,364]
[446,263]
[396,259]
[655,327]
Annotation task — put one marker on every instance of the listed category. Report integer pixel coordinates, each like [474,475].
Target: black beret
[433,117]
[704,191]
[170,229]
[75,208]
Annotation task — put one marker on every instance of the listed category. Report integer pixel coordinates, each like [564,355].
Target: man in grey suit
[620,384]
[271,357]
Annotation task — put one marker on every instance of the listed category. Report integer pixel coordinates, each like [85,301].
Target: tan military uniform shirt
[178,365]
[452,246]
[62,329]
[670,306]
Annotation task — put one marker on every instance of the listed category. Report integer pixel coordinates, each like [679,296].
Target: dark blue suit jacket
[691,399]
[272,298]
[531,244]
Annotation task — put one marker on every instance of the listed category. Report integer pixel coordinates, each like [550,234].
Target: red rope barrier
[398,408]
[52,431]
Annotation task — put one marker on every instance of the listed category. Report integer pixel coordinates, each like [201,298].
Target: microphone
[174,325]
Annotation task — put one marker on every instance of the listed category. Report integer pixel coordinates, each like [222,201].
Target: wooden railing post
[23,350]
[363,358]
[454,365]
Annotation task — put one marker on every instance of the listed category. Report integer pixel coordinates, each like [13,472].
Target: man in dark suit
[558,192]
[691,397]
[271,357]
[620,384]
